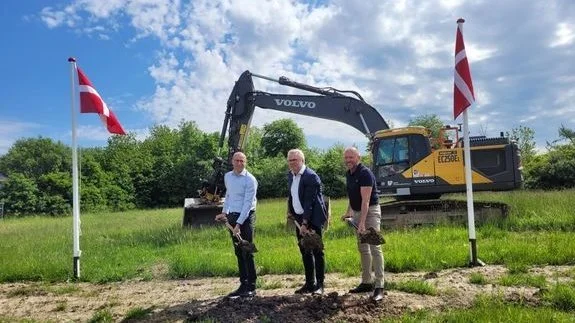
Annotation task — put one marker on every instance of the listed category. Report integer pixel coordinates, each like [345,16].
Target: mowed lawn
[152,244]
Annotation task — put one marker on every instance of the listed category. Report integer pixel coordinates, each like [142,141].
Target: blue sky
[158,62]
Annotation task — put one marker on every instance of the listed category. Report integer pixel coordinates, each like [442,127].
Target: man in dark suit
[306,206]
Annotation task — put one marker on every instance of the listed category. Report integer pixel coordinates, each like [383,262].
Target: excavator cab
[396,151]
[417,169]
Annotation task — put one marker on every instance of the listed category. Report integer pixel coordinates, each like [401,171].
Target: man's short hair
[297,152]
[239,153]
[353,150]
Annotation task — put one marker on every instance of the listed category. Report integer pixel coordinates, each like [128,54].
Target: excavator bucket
[197,214]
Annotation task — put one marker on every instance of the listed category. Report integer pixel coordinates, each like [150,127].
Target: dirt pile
[202,299]
[287,308]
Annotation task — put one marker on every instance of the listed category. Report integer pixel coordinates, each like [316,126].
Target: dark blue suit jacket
[311,198]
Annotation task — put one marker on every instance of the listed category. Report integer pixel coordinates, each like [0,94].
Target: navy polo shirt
[361,177]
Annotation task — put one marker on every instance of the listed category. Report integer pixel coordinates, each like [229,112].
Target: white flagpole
[75,190]
[469,189]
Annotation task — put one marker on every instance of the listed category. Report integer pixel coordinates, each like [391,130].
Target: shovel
[371,237]
[310,241]
[246,246]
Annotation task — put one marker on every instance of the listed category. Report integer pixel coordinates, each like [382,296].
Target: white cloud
[564,34]
[397,54]
[10,131]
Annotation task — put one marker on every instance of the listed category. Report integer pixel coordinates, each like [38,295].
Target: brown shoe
[362,288]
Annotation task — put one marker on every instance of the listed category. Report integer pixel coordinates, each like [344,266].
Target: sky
[164,61]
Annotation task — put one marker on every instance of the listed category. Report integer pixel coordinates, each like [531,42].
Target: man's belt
[238,213]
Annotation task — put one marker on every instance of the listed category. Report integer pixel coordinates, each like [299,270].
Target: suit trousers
[246,263]
[371,255]
[313,261]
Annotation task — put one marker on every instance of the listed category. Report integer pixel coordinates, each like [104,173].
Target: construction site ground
[202,299]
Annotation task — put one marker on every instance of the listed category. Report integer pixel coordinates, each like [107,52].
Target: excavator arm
[328,103]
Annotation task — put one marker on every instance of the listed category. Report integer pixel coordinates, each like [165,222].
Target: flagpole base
[475,262]
[76,267]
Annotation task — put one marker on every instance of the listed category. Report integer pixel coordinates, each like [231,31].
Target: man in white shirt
[239,209]
[306,205]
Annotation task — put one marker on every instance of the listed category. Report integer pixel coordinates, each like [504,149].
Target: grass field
[153,244]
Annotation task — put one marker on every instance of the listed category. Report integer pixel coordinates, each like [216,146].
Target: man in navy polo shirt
[365,210]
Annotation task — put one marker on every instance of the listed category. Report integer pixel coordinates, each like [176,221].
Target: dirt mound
[287,308]
[202,299]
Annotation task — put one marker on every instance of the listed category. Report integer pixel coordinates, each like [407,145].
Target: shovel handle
[298,226]
[350,222]
[232,230]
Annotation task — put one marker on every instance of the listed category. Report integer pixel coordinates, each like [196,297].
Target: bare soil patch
[202,299]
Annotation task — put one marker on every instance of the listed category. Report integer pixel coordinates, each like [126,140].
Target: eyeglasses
[292,160]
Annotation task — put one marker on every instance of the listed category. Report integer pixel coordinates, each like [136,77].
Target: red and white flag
[91,102]
[463,95]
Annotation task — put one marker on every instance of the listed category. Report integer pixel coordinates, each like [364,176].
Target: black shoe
[248,293]
[362,288]
[378,294]
[318,290]
[237,292]
[305,289]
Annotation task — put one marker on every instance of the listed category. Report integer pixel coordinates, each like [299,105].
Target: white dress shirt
[296,203]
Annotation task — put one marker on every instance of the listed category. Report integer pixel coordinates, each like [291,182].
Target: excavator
[412,168]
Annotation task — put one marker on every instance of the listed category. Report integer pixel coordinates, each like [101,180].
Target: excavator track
[411,213]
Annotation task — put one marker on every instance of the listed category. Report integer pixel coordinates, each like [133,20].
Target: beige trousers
[371,255]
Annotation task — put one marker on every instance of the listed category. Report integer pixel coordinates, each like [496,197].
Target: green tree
[332,172]
[280,136]
[122,159]
[525,138]
[271,174]
[253,147]
[429,121]
[567,134]
[556,168]
[34,157]
[20,195]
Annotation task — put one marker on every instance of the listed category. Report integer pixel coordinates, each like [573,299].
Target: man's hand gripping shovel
[246,246]
[370,236]
[309,239]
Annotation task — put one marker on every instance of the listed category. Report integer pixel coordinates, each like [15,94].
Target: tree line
[171,164]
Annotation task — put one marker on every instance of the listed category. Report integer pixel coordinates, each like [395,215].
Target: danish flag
[91,102]
[463,95]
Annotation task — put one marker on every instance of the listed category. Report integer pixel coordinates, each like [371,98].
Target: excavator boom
[328,103]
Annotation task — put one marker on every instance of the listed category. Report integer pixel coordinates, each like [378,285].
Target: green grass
[488,309]
[102,316]
[538,281]
[412,286]
[138,313]
[152,243]
[561,297]
[477,279]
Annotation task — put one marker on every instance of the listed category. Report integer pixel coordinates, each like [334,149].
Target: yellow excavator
[410,165]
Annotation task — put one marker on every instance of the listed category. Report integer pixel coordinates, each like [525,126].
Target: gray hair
[297,152]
